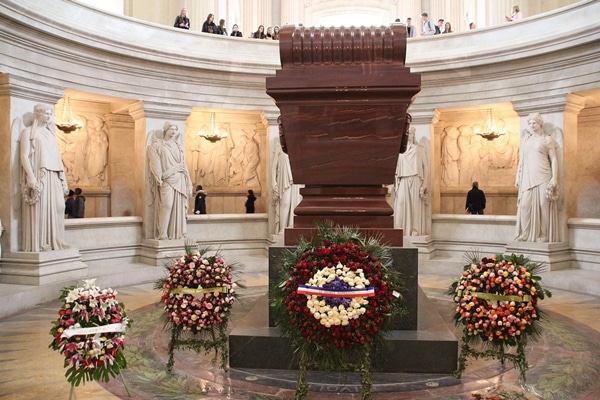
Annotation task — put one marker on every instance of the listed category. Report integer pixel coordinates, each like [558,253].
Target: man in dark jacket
[69,203]
[79,206]
[475,200]
[200,201]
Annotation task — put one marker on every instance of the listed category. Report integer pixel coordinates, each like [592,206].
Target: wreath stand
[498,352]
[363,365]
[210,340]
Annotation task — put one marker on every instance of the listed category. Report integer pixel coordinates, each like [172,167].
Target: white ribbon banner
[93,330]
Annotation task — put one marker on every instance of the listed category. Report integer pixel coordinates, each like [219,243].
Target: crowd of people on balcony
[209,26]
[428,28]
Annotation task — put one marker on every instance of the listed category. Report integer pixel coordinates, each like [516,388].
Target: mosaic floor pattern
[565,362]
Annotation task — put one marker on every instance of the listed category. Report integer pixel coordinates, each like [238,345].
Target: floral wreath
[338,298]
[198,294]
[497,304]
[90,333]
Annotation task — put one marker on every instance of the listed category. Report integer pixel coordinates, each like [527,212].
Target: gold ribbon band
[218,289]
[498,297]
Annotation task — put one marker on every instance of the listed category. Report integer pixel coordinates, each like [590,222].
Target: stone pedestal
[42,268]
[555,256]
[421,342]
[161,253]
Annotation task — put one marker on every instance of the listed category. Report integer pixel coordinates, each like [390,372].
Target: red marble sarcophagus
[343,95]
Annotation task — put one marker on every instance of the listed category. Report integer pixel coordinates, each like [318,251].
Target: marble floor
[565,362]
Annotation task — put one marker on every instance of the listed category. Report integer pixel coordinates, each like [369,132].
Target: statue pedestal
[555,256]
[160,253]
[42,268]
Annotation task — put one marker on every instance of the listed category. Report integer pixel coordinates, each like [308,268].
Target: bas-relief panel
[85,152]
[466,157]
[588,168]
[227,168]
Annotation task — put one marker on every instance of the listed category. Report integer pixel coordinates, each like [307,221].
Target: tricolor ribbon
[218,289]
[93,330]
[344,293]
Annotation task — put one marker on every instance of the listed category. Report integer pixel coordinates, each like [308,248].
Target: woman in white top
[516,14]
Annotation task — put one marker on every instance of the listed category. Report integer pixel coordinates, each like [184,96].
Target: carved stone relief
[85,152]
[232,162]
[467,157]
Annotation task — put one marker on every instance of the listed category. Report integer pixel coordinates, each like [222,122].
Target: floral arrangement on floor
[198,295]
[337,300]
[497,305]
[90,333]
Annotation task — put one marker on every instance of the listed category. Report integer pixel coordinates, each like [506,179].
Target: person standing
[222,29]
[260,33]
[43,185]
[200,201]
[269,35]
[209,25]
[439,28]
[235,31]
[428,25]
[276,32]
[516,14]
[250,199]
[69,203]
[475,200]
[411,30]
[79,205]
[182,21]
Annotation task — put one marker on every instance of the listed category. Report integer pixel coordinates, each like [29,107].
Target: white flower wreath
[348,308]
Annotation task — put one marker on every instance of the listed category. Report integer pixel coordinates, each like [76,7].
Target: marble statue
[285,197]
[537,181]
[410,189]
[171,184]
[43,185]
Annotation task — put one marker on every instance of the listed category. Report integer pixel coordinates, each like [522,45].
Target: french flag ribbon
[345,293]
